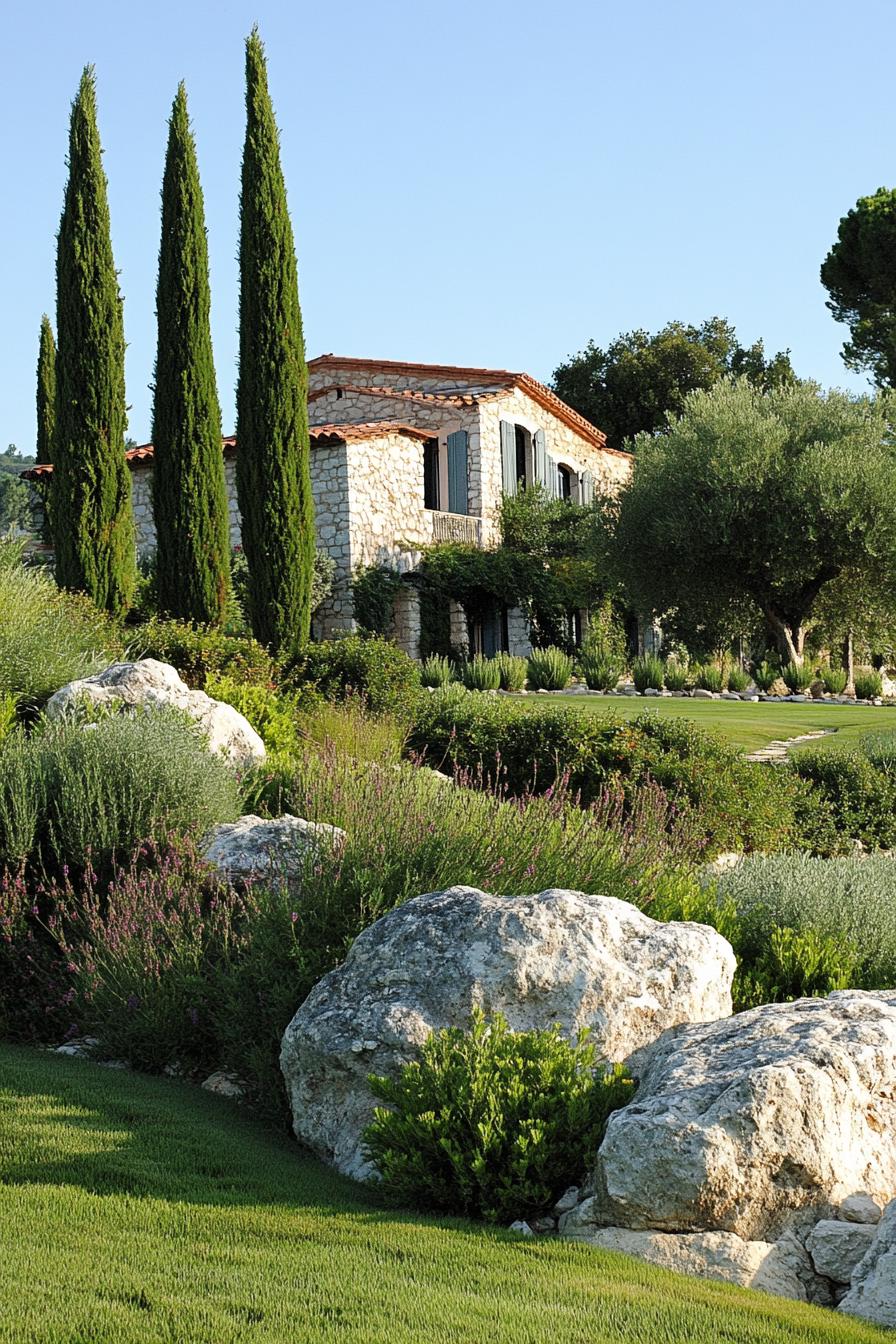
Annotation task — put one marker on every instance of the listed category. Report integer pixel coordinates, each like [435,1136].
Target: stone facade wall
[141,495]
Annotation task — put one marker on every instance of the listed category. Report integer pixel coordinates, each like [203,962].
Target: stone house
[404,455]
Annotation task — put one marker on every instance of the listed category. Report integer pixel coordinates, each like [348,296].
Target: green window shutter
[457,472]
[508,458]
[541,459]
[586,487]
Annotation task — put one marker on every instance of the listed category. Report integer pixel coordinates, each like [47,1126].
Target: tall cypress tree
[189,490]
[46,411]
[46,392]
[93,521]
[272,463]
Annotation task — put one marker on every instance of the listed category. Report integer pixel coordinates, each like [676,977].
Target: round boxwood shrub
[492,1123]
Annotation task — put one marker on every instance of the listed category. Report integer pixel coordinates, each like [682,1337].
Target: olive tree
[758,503]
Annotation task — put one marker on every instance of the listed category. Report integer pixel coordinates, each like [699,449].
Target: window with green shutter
[508,457]
[586,487]
[457,472]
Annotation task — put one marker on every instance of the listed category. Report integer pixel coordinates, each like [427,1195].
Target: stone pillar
[460,635]
[406,619]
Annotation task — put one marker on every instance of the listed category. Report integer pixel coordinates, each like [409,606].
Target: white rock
[837,1247]
[709,1255]
[79,1047]
[739,1125]
[253,849]
[859,1208]
[872,1293]
[701,694]
[224,1085]
[522,1228]
[154,684]
[559,956]
[568,1200]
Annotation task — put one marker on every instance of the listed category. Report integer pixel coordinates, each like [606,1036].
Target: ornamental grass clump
[647,673]
[492,1123]
[834,679]
[765,674]
[549,669]
[481,674]
[675,674]
[797,677]
[738,680]
[708,677]
[600,671]
[513,671]
[869,684]
[435,671]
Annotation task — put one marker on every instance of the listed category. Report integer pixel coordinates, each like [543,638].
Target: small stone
[568,1200]
[700,694]
[522,1228]
[859,1208]
[224,1085]
[543,1225]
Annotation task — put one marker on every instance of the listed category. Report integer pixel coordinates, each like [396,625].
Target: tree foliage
[273,470]
[859,274]
[189,490]
[758,503]
[92,517]
[630,387]
[46,391]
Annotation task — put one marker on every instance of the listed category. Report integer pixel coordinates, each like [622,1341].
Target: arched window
[566,481]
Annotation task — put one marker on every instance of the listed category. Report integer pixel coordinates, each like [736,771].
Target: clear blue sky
[478,182]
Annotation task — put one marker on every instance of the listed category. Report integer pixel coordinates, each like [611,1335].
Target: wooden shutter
[508,458]
[586,487]
[541,460]
[553,478]
[457,472]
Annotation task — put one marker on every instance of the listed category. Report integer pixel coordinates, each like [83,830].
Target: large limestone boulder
[836,1247]
[151,683]
[253,849]
[781,1268]
[872,1293]
[766,1120]
[559,956]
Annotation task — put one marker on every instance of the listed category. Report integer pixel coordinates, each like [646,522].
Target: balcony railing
[456,527]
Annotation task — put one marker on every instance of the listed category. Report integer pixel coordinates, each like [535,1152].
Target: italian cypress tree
[189,491]
[93,521]
[46,391]
[272,463]
[46,410]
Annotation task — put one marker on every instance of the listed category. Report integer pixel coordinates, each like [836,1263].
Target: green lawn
[138,1210]
[746,725]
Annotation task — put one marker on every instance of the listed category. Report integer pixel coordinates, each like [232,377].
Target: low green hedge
[530,749]
[374,669]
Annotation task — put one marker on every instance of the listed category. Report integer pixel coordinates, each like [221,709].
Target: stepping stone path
[775,753]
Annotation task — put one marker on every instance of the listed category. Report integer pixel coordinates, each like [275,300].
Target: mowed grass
[743,724]
[139,1209]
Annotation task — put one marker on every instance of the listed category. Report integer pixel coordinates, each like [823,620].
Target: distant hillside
[12,464]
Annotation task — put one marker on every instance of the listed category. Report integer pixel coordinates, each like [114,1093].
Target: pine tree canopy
[189,490]
[93,522]
[273,472]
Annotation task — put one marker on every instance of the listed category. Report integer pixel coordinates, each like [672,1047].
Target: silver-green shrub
[75,792]
[47,637]
[849,900]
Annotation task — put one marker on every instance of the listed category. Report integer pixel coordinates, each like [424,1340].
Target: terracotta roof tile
[328,434]
[494,379]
